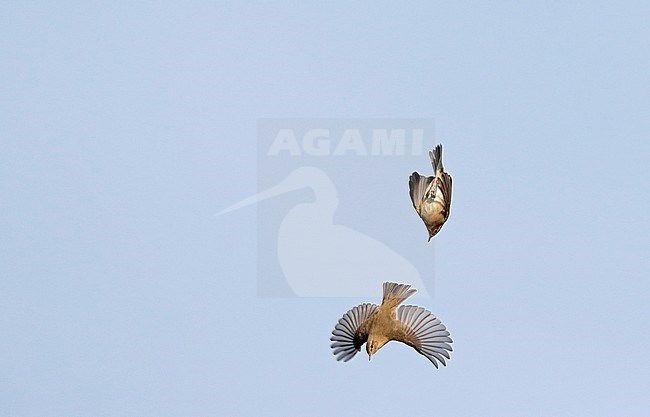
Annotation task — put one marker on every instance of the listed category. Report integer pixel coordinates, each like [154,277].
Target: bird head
[373,344]
[433,230]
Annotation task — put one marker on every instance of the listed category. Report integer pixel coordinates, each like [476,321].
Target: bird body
[377,325]
[431,196]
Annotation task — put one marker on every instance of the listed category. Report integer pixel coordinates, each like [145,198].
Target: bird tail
[436,158]
[394,294]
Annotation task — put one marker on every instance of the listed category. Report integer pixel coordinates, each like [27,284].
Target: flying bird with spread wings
[431,196]
[377,325]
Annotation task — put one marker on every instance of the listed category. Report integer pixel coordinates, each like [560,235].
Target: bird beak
[283,187]
[430,236]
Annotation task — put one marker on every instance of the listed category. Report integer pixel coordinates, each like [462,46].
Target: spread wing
[425,333]
[349,333]
[418,186]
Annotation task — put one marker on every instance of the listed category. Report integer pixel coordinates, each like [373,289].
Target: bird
[377,325]
[431,196]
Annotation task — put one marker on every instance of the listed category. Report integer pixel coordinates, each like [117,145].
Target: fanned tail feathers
[395,294]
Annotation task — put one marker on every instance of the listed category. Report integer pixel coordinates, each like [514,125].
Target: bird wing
[444,184]
[422,330]
[418,186]
[349,333]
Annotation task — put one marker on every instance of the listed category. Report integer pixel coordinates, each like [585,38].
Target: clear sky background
[125,127]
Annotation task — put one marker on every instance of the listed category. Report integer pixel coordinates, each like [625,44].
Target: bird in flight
[431,196]
[377,325]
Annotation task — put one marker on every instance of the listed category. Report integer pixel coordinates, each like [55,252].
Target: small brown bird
[431,196]
[377,325]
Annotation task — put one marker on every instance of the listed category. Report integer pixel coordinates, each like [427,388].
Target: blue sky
[125,127]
